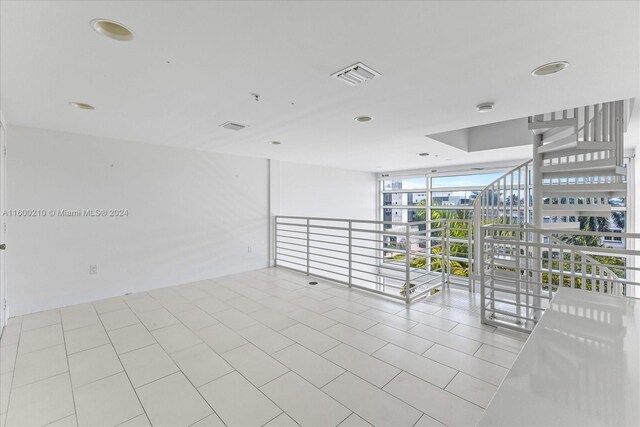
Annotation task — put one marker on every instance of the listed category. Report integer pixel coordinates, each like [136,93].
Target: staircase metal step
[572,150]
[566,197]
[596,145]
[545,125]
[585,190]
[610,172]
[589,165]
[560,134]
[504,261]
[502,278]
[618,171]
[572,143]
[575,210]
[569,225]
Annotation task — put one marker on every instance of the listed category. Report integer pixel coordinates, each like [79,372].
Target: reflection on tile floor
[253,349]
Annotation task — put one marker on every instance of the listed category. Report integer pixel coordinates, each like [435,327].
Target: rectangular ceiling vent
[355,74]
[232,126]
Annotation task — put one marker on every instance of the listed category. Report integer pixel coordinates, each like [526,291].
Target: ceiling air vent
[232,126]
[355,74]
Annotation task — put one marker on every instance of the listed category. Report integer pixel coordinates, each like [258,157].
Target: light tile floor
[262,348]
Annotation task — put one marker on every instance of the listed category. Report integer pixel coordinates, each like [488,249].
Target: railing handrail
[580,250]
[521,272]
[366,221]
[566,231]
[497,181]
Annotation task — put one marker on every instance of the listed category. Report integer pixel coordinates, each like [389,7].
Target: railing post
[446,246]
[274,246]
[407,265]
[470,254]
[518,248]
[480,261]
[308,252]
[536,203]
[477,250]
[350,253]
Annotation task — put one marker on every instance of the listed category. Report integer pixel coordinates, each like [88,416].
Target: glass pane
[614,223]
[618,201]
[404,199]
[404,183]
[403,215]
[453,198]
[479,180]
[450,214]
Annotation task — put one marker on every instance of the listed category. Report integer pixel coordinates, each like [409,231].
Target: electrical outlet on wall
[93,269]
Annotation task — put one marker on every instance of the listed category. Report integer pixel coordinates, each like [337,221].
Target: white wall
[192,215]
[319,191]
[3,318]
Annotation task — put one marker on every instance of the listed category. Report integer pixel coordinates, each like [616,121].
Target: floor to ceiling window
[432,197]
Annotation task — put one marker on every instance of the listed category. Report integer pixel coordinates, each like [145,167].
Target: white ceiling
[193,65]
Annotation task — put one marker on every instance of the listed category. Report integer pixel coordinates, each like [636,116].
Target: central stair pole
[536,205]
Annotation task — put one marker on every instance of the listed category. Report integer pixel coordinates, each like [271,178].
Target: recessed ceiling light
[112,29]
[550,68]
[485,107]
[82,105]
[423,154]
[275,142]
[363,119]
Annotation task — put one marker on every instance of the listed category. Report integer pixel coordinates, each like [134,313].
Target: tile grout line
[289,370]
[169,355]
[144,411]
[345,418]
[220,355]
[450,381]
[274,279]
[424,413]
[66,354]
[401,370]
[13,373]
[262,425]
[273,379]
[465,372]
[257,388]
[207,416]
[394,377]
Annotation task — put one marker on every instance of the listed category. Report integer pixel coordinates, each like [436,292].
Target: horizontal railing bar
[562,232]
[291,262]
[361,221]
[504,324]
[291,231]
[397,297]
[565,247]
[513,303]
[509,314]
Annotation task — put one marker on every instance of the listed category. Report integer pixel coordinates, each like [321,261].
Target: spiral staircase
[577,166]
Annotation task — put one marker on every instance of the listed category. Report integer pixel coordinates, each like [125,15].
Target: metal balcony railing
[401,260]
[522,267]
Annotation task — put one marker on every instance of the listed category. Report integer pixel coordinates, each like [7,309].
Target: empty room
[319,213]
